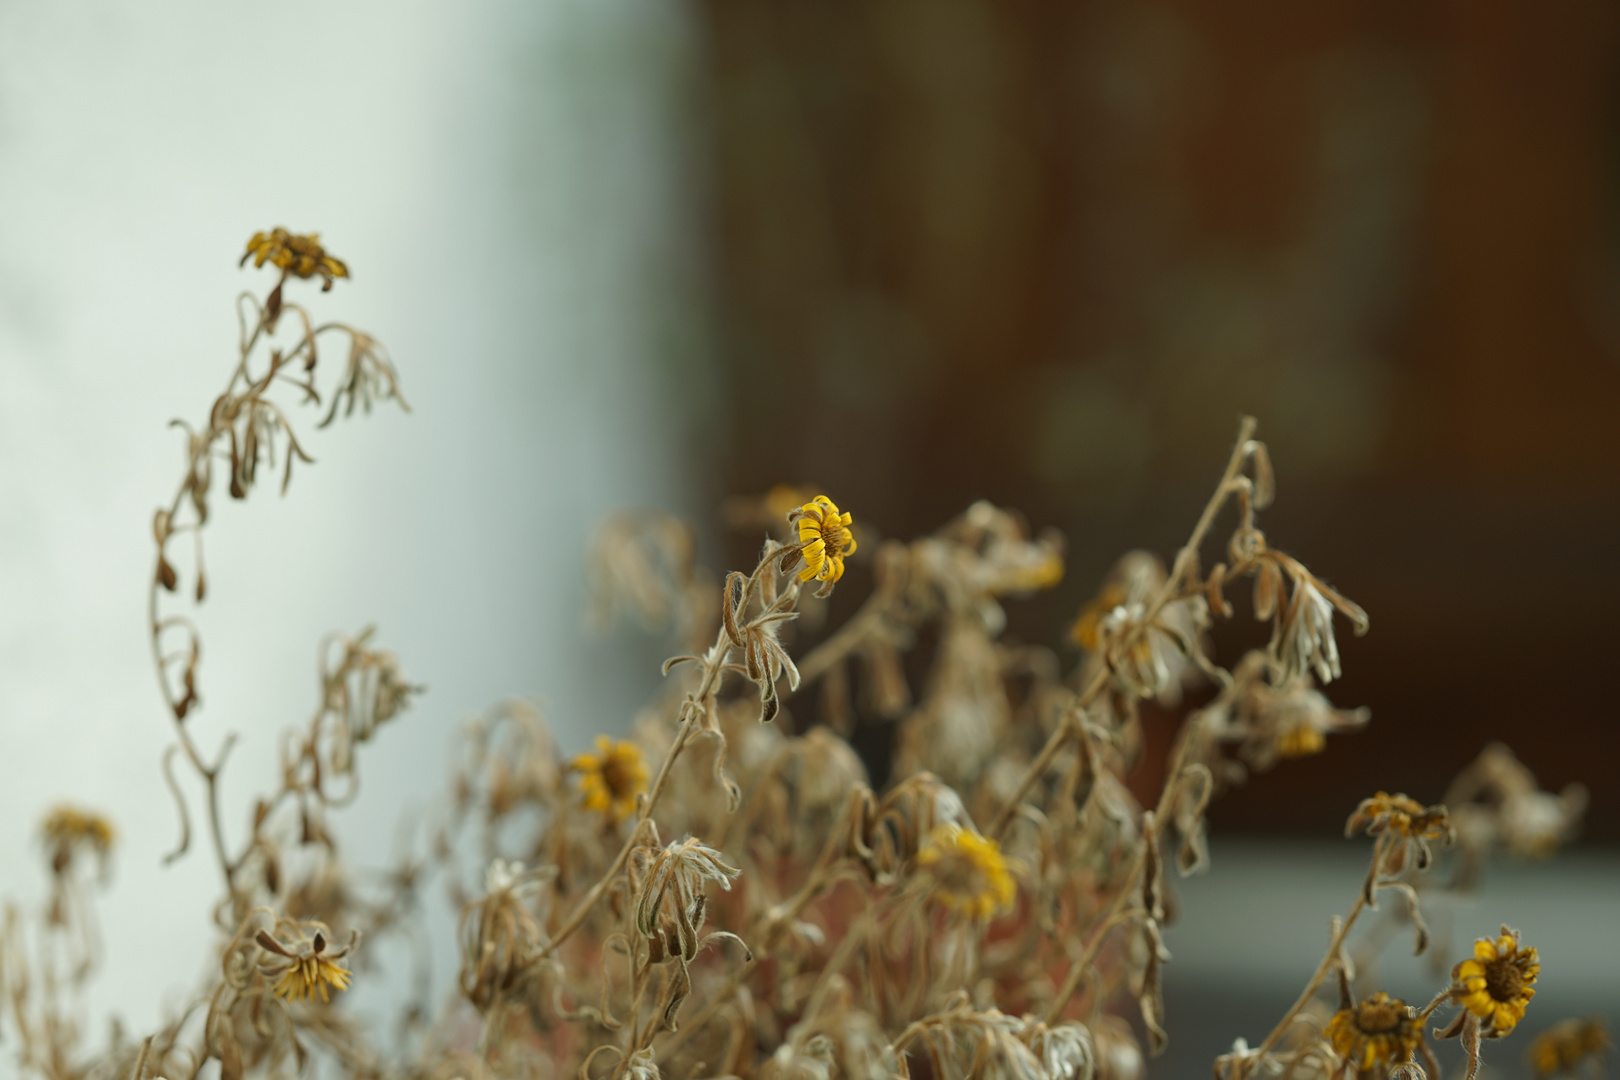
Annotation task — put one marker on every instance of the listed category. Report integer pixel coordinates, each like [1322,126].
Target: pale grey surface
[1250,933]
[503,178]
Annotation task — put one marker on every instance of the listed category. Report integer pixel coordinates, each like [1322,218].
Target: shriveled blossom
[1066,1050]
[1497,803]
[1409,824]
[1568,1046]
[1302,636]
[304,968]
[677,874]
[969,872]
[1148,650]
[68,830]
[299,254]
[825,540]
[1498,981]
[612,778]
[983,1043]
[1375,1034]
[501,933]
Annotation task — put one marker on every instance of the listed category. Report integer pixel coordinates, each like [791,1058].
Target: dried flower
[1279,723]
[1411,825]
[304,968]
[1065,1050]
[678,873]
[500,935]
[67,830]
[1497,983]
[1302,637]
[1376,1033]
[1150,656]
[1566,1046]
[642,1066]
[612,778]
[1119,1056]
[825,540]
[969,871]
[299,254]
[1497,802]
[1087,629]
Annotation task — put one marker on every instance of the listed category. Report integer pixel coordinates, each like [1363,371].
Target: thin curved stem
[714,664]
[1167,593]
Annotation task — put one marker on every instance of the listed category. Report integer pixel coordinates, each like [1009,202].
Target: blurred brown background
[1047,253]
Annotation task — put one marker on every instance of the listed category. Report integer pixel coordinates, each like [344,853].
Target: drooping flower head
[1409,826]
[969,872]
[1497,983]
[611,778]
[299,254]
[824,539]
[305,968]
[68,830]
[1566,1046]
[1376,1033]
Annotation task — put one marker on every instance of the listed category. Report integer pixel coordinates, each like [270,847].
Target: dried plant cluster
[727,892]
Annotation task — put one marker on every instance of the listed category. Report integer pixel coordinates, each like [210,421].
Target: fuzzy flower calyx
[969,870]
[612,778]
[299,254]
[825,540]
[1497,983]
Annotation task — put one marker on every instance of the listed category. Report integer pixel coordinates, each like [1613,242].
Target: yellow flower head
[824,539]
[1299,740]
[1498,982]
[611,778]
[1402,815]
[305,969]
[969,872]
[1375,1034]
[299,254]
[67,829]
[310,975]
[1565,1046]
[1087,629]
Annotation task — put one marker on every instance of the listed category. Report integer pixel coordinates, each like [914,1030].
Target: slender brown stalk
[1169,591]
[714,664]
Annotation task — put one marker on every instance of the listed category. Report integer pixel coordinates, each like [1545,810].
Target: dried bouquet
[727,892]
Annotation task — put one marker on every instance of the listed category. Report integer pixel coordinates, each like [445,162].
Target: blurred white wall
[505,180]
